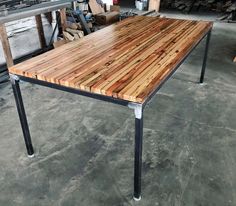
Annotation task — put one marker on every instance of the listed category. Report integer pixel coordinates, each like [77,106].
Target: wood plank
[6,46]
[95,7]
[132,60]
[42,40]
[154,5]
[63,18]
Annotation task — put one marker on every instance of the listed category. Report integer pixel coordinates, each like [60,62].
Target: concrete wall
[23,37]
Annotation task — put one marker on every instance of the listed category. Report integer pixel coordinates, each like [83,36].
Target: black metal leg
[205,57]
[138,158]
[138,110]
[22,115]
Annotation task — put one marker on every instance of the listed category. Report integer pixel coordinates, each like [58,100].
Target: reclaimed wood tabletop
[127,60]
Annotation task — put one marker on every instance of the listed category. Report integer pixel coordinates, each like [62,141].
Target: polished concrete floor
[84,147]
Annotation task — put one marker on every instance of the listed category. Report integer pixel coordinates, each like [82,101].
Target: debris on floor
[230,13]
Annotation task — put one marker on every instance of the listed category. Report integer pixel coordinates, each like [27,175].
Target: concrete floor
[84,147]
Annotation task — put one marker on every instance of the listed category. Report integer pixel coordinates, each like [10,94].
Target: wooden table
[36,11]
[126,64]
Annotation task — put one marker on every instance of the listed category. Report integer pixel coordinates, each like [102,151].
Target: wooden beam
[95,7]
[154,5]
[63,19]
[145,13]
[6,46]
[39,24]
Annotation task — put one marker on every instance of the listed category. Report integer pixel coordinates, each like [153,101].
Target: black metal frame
[138,109]
[22,116]
[205,57]
[138,149]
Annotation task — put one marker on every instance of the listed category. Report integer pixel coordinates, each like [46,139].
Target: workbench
[36,11]
[127,67]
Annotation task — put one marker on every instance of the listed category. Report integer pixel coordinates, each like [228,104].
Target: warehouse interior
[84,148]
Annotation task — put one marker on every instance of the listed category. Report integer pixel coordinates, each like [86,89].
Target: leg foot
[137,199]
[31,156]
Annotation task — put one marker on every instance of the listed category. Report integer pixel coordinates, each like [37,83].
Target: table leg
[40,29]
[6,46]
[205,57]
[138,158]
[22,115]
[138,109]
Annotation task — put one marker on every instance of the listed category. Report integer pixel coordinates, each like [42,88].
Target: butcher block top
[127,60]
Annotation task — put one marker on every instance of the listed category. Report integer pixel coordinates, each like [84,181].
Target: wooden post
[6,46]
[63,19]
[154,5]
[39,24]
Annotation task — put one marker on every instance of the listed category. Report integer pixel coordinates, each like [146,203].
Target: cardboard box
[107,17]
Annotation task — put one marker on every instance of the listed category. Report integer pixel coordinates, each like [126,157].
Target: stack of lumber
[73,32]
[227,6]
[229,10]
[230,13]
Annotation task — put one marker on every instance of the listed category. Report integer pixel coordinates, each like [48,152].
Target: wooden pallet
[127,60]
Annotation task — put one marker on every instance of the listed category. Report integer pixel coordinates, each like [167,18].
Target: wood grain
[154,5]
[127,60]
[6,46]
[63,18]
[39,23]
[95,7]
